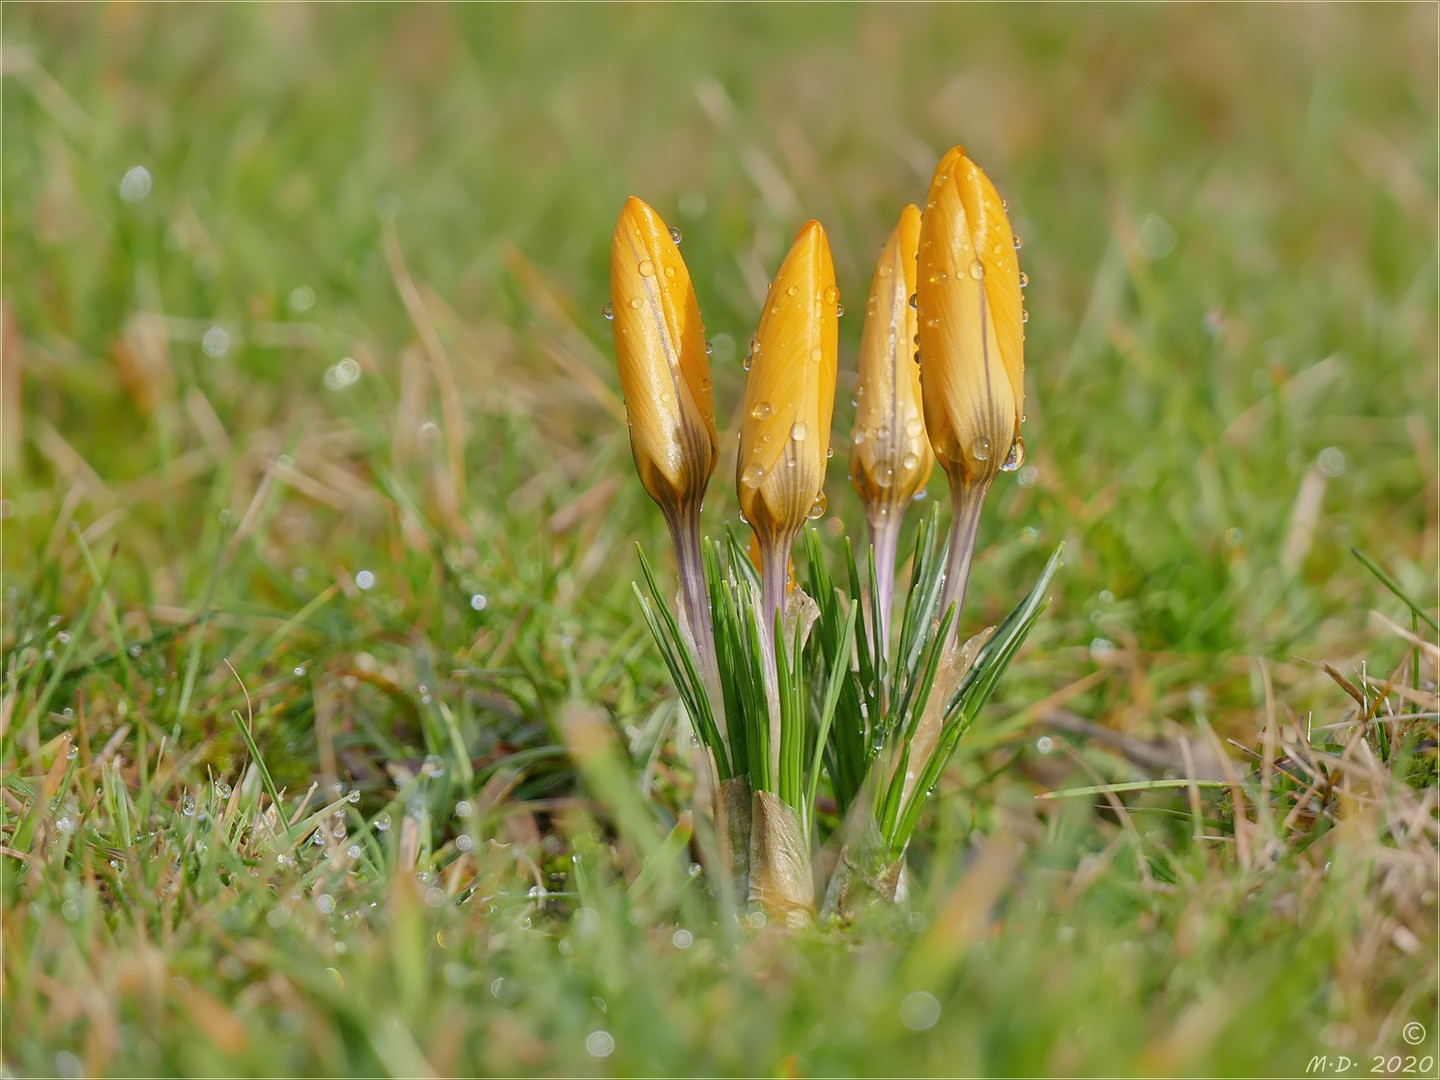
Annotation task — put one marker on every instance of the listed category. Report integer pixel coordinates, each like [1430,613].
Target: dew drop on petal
[797,431]
[635,303]
[761,411]
[647,268]
[817,508]
[608,310]
[1024,279]
[981,450]
[752,474]
[1016,457]
[914,427]
[977,269]
[676,235]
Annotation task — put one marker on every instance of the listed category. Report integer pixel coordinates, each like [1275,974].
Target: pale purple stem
[967,501]
[885,539]
[685,533]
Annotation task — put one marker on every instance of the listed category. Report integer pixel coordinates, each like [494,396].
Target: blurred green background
[302,340]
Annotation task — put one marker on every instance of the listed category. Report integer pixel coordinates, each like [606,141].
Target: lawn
[331,739]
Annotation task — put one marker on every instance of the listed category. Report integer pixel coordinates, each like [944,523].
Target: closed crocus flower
[664,369]
[789,400]
[665,377]
[890,456]
[971,344]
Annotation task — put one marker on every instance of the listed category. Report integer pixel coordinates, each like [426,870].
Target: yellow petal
[790,393]
[664,369]
[890,456]
[970,322]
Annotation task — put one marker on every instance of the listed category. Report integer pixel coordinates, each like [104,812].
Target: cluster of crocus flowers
[940,379]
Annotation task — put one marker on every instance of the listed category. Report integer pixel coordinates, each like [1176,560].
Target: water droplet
[752,475]
[682,938]
[608,310]
[647,268]
[817,508]
[910,460]
[981,450]
[832,294]
[600,1043]
[839,311]
[709,348]
[223,789]
[917,356]
[635,302]
[382,822]
[914,299]
[914,427]
[187,806]
[977,269]
[135,184]
[793,290]
[353,797]
[919,1011]
[434,765]
[797,431]
[857,436]
[1018,243]
[762,411]
[676,235]
[817,354]
[1024,316]
[749,359]
[1024,279]
[1016,457]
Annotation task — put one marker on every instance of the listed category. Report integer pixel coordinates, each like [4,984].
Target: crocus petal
[790,392]
[664,369]
[969,312]
[890,456]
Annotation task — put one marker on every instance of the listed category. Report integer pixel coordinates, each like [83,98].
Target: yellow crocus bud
[970,319]
[664,368]
[890,457]
[789,400]
[971,344]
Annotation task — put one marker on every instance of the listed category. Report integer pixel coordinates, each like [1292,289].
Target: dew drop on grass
[353,851]
[1044,744]
[608,310]
[135,185]
[682,938]
[478,602]
[919,1010]
[434,765]
[365,580]
[187,806]
[223,790]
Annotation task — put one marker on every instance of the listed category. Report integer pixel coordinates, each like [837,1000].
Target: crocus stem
[967,500]
[774,569]
[885,539]
[685,533]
